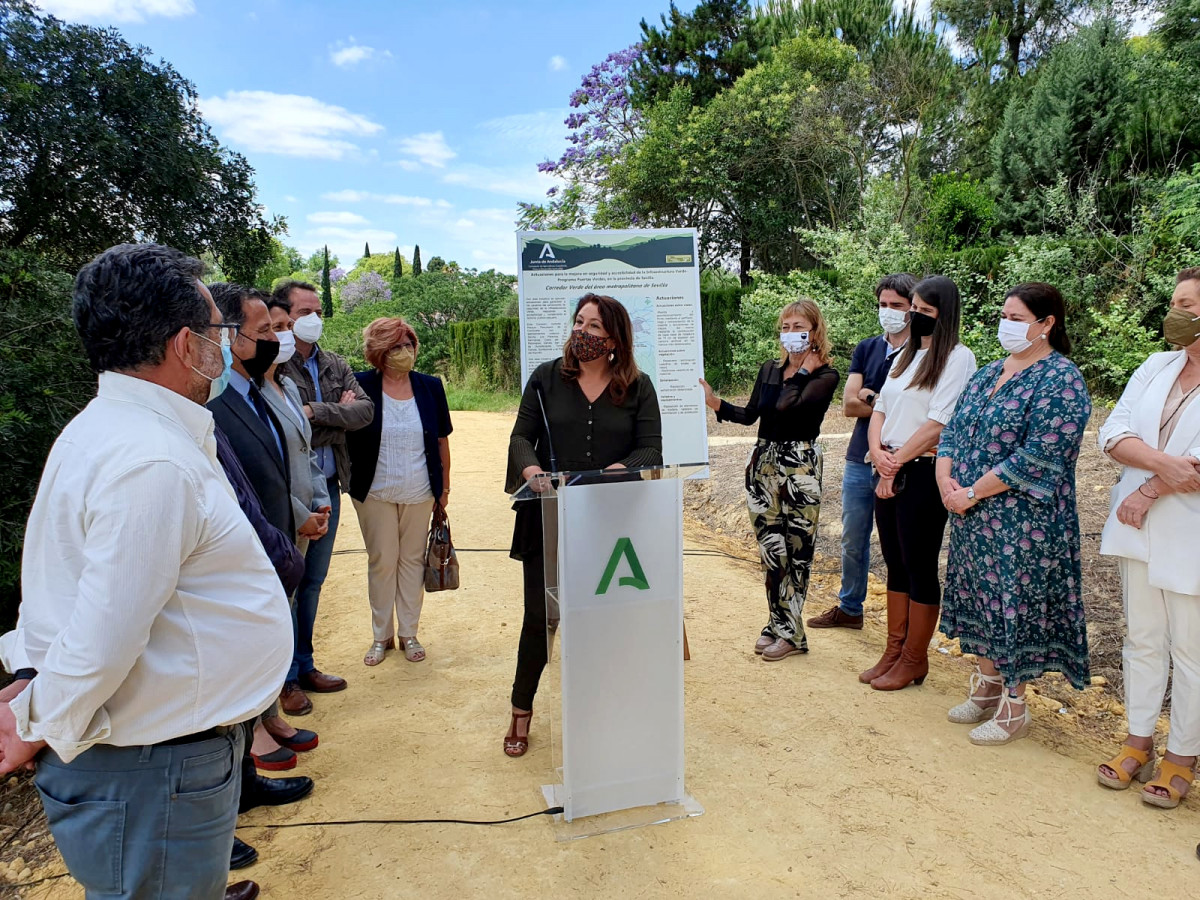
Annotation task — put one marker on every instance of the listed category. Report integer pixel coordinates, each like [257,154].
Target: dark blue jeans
[308,595]
[146,823]
[858,512]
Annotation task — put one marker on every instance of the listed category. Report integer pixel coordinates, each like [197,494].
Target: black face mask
[264,354]
[921,325]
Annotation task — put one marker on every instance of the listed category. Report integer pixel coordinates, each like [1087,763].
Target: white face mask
[794,341]
[1013,336]
[892,321]
[308,328]
[287,347]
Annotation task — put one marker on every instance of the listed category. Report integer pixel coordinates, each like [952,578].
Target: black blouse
[786,410]
[584,435]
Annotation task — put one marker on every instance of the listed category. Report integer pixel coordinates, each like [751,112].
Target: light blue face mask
[217,385]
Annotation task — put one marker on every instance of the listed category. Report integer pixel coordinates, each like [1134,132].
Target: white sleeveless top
[401,475]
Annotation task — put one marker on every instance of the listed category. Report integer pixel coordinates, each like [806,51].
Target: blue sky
[398,123]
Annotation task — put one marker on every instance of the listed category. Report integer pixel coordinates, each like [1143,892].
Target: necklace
[1180,405]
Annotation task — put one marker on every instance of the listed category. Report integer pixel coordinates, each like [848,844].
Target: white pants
[1161,628]
[395,535]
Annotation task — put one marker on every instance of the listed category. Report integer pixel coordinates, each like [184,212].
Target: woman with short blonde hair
[783,480]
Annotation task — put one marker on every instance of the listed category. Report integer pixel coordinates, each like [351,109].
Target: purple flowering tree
[336,274]
[603,124]
[370,288]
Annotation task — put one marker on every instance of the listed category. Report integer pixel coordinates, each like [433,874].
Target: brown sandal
[1167,771]
[515,746]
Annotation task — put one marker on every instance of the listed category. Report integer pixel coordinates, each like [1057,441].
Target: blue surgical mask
[217,384]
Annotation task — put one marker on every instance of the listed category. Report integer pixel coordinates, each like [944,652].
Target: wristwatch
[971,494]
[871,400]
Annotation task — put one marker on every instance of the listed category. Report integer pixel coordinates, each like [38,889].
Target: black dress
[585,436]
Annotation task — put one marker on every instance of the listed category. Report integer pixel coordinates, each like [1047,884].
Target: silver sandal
[413,651]
[378,651]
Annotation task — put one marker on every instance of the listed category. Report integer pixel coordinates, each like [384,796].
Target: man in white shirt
[153,618]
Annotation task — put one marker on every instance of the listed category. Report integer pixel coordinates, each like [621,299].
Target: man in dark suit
[243,413]
[257,438]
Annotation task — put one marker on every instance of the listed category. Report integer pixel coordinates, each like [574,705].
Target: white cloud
[336,218]
[408,165]
[287,124]
[351,196]
[107,11]
[539,132]
[429,148]
[350,53]
[557,64]
[520,182]
[291,199]
[347,243]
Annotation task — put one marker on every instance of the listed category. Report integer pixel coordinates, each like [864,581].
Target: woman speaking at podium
[589,409]
[783,478]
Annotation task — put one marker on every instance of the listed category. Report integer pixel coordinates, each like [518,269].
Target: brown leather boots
[905,659]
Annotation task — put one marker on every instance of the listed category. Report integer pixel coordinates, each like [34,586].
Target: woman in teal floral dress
[1006,470]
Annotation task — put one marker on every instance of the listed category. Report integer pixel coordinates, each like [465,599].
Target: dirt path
[813,785]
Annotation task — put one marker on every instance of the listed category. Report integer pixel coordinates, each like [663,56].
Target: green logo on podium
[637,579]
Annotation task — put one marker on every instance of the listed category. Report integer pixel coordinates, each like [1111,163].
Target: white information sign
[655,274]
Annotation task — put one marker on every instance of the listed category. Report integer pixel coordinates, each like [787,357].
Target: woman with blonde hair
[399,468]
[783,478]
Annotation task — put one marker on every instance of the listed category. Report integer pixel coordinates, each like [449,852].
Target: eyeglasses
[234,328]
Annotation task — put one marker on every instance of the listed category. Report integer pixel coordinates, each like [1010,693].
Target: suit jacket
[310,491]
[363,444]
[1167,539]
[259,455]
[281,549]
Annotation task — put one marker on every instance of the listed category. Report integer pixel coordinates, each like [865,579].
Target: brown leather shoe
[835,618]
[294,701]
[320,683]
[243,890]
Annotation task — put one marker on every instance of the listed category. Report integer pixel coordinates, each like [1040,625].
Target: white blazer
[1167,539]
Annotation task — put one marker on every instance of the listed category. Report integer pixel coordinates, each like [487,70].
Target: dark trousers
[532,652]
[911,526]
[316,566]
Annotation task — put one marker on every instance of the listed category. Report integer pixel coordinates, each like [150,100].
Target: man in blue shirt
[869,369]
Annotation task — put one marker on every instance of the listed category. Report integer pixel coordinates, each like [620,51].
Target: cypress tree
[416,266]
[326,292]
[366,250]
[397,266]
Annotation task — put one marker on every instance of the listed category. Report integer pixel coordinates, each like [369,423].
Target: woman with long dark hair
[1006,471]
[914,405]
[603,414]
[783,480]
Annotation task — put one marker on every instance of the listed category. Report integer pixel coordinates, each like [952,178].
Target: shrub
[487,351]
[959,213]
[44,382]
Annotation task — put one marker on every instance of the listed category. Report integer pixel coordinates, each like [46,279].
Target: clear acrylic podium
[613,544]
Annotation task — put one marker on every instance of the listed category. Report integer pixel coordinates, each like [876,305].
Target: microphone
[546,421]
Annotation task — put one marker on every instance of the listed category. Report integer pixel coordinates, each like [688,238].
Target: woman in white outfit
[1154,432]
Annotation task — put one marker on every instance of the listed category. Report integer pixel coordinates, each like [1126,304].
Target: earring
[611,357]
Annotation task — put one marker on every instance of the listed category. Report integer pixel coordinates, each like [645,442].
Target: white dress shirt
[908,408]
[401,474]
[150,609]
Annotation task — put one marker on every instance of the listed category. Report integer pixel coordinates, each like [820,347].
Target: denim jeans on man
[308,595]
[146,823]
[858,511]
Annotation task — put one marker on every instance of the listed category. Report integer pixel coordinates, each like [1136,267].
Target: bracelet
[1151,496]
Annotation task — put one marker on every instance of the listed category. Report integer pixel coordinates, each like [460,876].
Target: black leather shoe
[243,890]
[243,855]
[261,791]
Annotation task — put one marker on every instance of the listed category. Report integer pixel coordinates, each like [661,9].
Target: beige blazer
[1167,539]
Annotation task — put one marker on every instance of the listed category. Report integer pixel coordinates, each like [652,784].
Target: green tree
[102,145]
[44,381]
[1010,34]
[707,49]
[1069,132]
[366,250]
[284,260]
[316,261]
[416,261]
[397,266]
[436,264]
[326,292]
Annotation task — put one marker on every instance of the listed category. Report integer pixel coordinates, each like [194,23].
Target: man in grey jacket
[334,404]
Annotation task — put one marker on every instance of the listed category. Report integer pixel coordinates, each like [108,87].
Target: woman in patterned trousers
[783,478]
